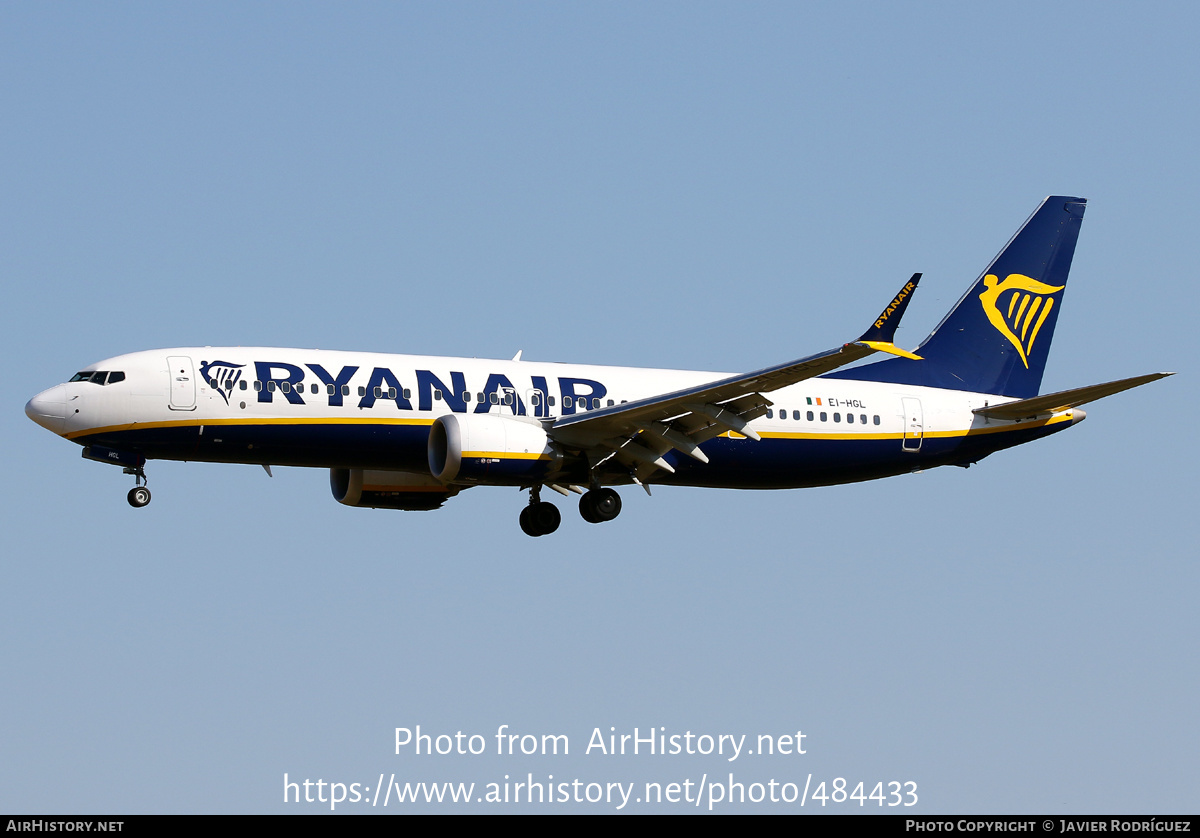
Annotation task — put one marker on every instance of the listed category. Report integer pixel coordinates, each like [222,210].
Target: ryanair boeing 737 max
[411,431]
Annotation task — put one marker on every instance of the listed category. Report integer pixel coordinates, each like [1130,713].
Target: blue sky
[675,185]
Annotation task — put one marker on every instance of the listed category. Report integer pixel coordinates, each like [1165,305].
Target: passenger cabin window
[810,416]
[770,413]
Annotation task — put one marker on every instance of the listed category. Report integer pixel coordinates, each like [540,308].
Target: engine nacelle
[488,449]
[388,489]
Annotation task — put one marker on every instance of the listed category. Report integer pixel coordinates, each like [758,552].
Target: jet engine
[388,489]
[484,448]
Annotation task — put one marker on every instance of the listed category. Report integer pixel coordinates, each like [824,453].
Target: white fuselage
[366,410]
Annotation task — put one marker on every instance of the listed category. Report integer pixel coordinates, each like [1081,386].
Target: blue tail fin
[997,338]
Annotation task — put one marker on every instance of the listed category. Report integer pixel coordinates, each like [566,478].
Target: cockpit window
[99,376]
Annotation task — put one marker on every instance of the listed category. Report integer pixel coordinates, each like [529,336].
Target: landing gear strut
[139,495]
[600,505]
[540,517]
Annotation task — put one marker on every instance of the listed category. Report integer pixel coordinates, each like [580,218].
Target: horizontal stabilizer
[1054,402]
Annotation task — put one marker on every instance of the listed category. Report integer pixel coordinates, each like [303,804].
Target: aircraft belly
[794,463]
[387,446]
[775,463]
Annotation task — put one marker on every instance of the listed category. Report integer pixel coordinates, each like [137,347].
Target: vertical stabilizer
[997,337]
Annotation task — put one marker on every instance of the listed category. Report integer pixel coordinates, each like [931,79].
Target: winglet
[880,335]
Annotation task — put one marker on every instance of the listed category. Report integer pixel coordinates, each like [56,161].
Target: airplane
[411,431]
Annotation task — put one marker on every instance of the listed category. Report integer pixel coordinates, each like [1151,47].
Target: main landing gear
[139,495]
[542,518]
[599,506]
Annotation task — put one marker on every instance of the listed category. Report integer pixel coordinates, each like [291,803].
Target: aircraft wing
[639,433]
[1054,402]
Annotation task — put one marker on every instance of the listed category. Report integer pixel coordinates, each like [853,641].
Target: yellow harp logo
[1018,307]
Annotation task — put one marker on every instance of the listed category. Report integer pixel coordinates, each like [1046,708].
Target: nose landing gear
[139,495]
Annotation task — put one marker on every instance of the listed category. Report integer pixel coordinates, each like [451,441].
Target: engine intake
[488,449]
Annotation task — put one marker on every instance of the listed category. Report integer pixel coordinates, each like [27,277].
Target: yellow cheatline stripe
[504,455]
[770,435]
[247,423]
[996,429]
[1053,420]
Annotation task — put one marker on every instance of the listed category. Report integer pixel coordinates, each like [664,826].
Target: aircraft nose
[1077,416]
[49,409]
